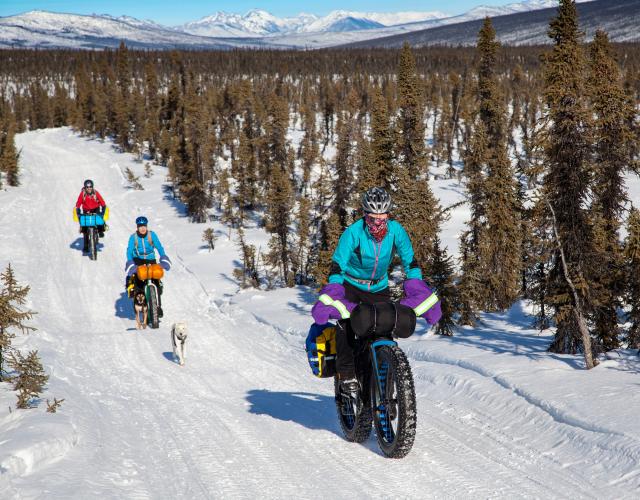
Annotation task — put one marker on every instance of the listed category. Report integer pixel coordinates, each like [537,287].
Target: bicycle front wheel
[93,245]
[152,302]
[393,401]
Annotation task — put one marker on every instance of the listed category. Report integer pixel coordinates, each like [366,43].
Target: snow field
[498,417]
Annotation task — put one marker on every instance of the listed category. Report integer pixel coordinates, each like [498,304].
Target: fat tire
[152,314]
[360,430]
[399,374]
[93,251]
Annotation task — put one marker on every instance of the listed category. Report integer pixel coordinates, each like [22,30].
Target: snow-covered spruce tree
[30,379]
[566,183]
[12,298]
[632,284]
[615,145]
[500,242]
[410,148]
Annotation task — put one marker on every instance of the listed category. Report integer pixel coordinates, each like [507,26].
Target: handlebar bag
[385,319]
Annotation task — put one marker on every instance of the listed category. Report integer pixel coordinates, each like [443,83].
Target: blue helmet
[142,221]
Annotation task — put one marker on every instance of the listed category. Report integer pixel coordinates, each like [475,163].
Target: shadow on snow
[313,411]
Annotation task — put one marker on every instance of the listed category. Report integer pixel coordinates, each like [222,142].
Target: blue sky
[173,12]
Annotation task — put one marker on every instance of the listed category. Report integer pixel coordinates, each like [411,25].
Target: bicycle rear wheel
[354,415]
[393,399]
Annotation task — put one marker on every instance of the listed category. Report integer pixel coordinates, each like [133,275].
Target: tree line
[540,137]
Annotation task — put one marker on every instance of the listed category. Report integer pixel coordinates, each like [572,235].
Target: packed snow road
[244,417]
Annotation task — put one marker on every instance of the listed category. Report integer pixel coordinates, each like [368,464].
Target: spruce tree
[566,183]
[410,125]
[12,317]
[344,170]
[632,284]
[471,286]
[9,156]
[441,279]
[330,234]
[419,212]
[500,245]
[379,166]
[614,153]
[30,379]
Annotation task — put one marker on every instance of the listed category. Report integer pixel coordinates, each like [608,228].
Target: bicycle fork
[382,406]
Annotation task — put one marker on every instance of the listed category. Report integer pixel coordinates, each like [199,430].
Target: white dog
[178,339]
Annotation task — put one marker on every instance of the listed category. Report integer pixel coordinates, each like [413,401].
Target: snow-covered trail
[243,417]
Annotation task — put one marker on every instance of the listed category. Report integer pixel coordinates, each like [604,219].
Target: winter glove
[419,297]
[165,262]
[130,268]
[331,304]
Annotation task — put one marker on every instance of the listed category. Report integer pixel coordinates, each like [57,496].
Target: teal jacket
[144,248]
[359,255]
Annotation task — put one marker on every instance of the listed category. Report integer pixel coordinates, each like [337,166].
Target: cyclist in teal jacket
[359,274]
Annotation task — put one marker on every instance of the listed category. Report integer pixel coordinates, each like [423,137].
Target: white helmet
[376,201]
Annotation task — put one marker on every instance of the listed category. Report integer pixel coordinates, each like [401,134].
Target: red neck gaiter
[377,227]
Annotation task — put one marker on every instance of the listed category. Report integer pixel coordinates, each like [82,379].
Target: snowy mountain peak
[258,22]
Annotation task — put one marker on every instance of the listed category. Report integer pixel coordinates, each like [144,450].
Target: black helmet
[142,221]
[376,201]
[88,183]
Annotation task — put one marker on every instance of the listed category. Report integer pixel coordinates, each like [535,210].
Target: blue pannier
[90,220]
[321,350]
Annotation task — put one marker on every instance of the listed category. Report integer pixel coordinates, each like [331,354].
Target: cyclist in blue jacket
[359,275]
[141,250]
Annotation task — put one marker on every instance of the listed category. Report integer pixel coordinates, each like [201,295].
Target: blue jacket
[359,255]
[144,250]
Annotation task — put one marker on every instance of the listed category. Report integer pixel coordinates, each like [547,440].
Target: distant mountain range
[516,23]
[259,23]
[619,18]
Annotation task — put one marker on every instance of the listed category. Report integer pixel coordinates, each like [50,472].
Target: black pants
[345,338]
